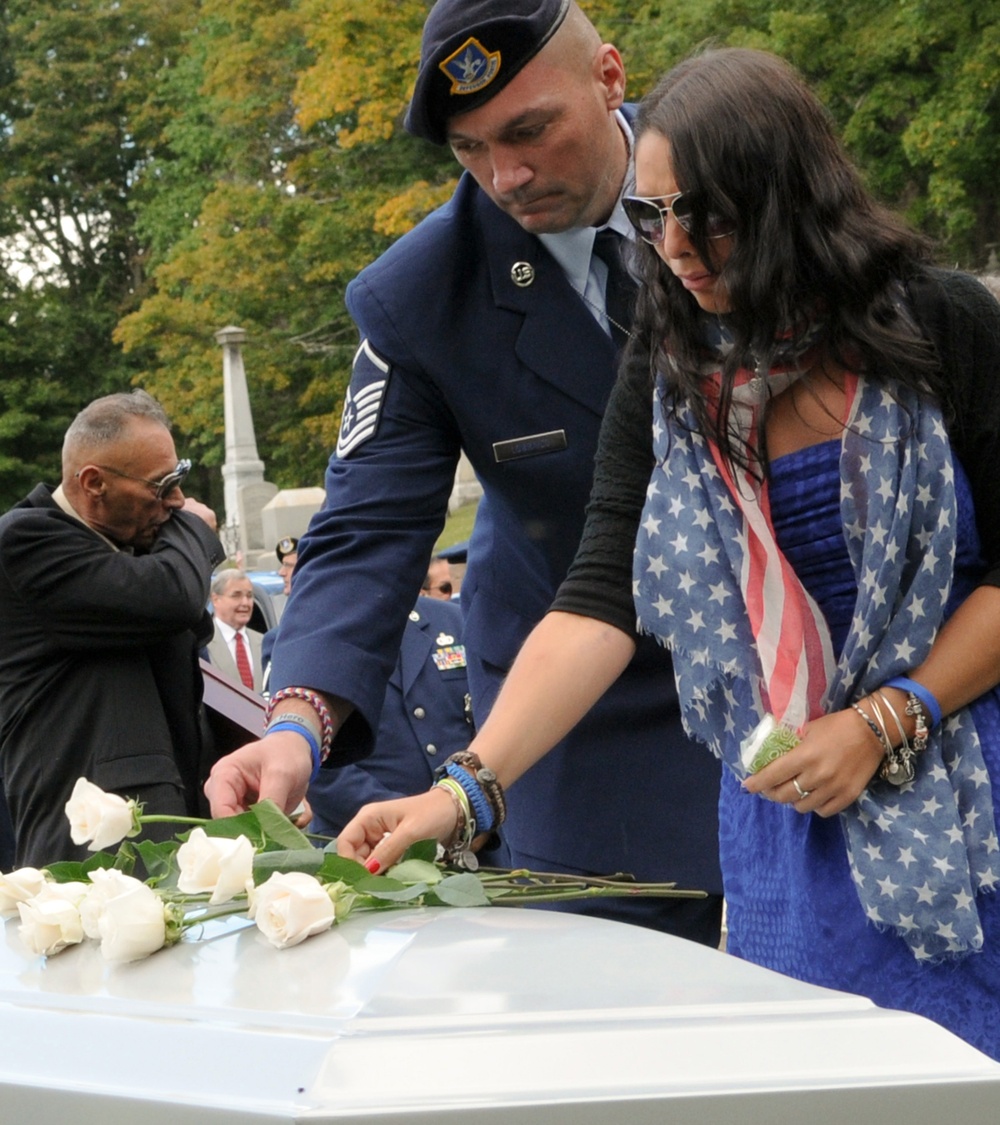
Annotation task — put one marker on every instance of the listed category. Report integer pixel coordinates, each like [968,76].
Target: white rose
[214,864]
[96,818]
[19,886]
[133,924]
[51,920]
[290,907]
[106,884]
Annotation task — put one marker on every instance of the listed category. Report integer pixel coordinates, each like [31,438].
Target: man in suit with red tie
[235,650]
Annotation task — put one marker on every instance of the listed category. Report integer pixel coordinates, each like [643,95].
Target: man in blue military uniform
[424,719]
[488,328]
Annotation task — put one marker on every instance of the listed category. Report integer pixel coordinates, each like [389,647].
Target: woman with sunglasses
[794,491]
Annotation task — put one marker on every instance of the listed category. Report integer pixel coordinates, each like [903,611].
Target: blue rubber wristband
[931,705]
[477,798]
[308,735]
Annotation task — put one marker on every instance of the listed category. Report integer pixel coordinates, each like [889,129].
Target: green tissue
[768,741]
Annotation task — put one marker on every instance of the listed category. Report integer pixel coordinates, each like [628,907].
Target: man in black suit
[103,587]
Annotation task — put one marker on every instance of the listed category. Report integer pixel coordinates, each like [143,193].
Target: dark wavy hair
[750,141]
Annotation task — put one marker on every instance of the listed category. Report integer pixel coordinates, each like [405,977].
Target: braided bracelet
[488,781]
[474,791]
[316,702]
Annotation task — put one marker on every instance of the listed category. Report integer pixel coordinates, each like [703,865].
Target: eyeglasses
[649,217]
[444,587]
[162,487]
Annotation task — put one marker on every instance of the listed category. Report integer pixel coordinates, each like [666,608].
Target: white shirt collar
[228,632]
[60,497]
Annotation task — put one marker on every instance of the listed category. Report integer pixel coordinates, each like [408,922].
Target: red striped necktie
[243,661]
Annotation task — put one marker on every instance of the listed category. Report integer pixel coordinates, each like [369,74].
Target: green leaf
[403,894]
[244,824]
[425,850]
[66,871]
[277,828]
[389,890]
[265,864]
[159,860]
[459,890]
[416,871]
[337,869]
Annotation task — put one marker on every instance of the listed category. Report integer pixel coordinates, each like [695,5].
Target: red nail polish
[373,865]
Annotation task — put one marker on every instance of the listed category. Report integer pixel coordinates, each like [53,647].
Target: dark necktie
[619,295]
[243,661]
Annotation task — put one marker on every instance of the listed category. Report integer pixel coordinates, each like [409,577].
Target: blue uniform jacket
[422,722]
[456,354]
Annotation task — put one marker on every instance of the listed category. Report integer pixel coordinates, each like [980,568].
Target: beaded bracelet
[307,734]
[932,708]
[316,703]
[870,723]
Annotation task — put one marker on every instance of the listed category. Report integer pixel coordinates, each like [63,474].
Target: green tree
[914,86]
[71,77]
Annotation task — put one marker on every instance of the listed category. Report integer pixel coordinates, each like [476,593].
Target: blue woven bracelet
[931,705]
[308,735]
[477,798]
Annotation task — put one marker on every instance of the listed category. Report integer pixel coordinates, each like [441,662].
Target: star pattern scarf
[746,639]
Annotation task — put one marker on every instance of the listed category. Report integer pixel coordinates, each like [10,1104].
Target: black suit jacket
[98,666]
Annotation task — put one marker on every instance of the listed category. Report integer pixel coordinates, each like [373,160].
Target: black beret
[470,50]
[287,546]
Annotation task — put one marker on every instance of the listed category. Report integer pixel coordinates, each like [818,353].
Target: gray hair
[221,580]
[103,422]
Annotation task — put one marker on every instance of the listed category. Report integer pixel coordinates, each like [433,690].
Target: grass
[458,527]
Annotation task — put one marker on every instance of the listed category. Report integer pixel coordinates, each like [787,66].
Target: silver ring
[803,793]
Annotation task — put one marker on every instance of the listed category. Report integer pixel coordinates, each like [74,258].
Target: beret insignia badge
[471,67]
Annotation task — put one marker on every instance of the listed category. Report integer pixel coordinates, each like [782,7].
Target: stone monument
[245,490]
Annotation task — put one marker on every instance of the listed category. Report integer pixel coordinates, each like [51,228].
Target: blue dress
[790,898]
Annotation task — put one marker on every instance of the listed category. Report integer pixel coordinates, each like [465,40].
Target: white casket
[488,1016]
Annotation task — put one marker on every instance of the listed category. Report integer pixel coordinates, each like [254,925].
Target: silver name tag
[531,445]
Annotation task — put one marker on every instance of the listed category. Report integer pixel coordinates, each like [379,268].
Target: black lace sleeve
[962,318]
[599,583]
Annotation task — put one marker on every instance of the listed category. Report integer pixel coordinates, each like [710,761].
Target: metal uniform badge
[522,274]
[531,445]
[471,67]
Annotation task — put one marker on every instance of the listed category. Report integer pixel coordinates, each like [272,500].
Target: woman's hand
[833,765]
[380,833]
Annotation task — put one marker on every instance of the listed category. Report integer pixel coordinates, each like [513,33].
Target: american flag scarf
[746,639]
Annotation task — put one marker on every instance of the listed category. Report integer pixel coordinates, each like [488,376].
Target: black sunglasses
[649,217]
[162,487]
[444,587]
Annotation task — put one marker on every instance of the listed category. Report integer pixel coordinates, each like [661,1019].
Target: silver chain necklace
[603,312]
